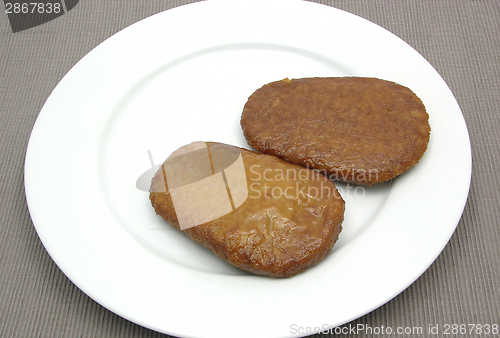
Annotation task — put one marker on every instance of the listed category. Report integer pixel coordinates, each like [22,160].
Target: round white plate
[182,76]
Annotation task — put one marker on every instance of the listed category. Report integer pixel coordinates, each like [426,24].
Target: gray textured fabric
[461,39]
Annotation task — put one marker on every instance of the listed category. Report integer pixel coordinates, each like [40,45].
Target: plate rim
[29,169]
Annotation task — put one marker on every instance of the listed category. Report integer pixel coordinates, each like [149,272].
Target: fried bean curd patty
[352,129]
[255,211]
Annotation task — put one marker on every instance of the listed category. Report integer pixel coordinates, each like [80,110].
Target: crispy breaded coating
[352,129]
[286,219]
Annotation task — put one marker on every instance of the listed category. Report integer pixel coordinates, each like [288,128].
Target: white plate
[184,75]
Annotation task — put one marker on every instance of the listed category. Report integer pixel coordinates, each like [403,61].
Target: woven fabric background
[461,39]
